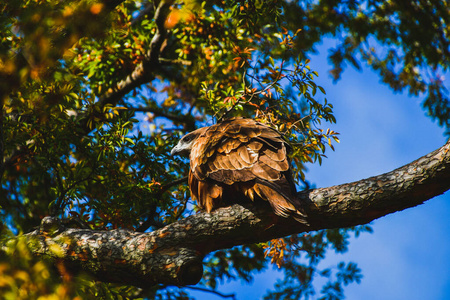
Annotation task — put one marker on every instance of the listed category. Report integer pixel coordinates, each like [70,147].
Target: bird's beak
[178,150]
[174,150]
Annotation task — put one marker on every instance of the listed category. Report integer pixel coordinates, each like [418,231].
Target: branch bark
[173,255]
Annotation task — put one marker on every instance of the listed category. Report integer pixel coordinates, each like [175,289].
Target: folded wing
[243,157]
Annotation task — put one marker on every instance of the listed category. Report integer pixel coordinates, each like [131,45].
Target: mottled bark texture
[173,255]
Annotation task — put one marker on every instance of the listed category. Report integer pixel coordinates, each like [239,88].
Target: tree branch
[2,149]
[145,71]
[142,74]
[173,255]
[185,119]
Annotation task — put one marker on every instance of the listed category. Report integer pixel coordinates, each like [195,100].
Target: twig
[175,61]
[171,184]
[59,203]
[181,211]
[150,220]
[187,120]
[237,102]
[252,94]
[196,288]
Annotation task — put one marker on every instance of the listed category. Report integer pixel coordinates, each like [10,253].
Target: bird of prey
[239,159]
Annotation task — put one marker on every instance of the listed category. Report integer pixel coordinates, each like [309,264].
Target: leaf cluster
[299,258]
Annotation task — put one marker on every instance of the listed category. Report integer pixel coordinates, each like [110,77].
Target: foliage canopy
[95,93]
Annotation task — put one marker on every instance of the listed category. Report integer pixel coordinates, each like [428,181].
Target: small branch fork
[253,93]
[173,254]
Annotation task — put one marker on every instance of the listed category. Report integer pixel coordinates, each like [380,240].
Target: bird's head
[184,145]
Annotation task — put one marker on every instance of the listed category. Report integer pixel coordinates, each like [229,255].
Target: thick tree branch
[173,255]
[145,71]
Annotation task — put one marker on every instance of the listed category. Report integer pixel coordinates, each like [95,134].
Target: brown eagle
[240,158]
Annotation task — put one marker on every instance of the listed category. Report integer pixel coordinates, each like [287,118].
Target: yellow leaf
[22,275]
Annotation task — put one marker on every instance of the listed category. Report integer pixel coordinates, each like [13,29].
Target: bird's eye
[186,139]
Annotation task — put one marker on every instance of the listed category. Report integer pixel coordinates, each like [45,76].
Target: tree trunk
[173,255]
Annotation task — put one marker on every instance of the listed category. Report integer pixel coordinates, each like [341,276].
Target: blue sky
[408,254]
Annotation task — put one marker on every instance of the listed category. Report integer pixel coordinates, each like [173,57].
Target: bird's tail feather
[282,205]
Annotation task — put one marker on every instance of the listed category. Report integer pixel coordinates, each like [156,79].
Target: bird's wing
[239,150]
[235,153]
